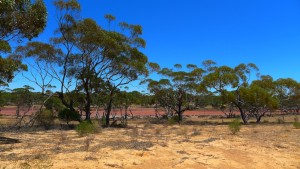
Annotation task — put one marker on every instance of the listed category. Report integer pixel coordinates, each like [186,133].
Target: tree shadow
[6,140]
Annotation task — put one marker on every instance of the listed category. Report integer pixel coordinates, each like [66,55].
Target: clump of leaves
[234,126]
[68,115]
[46,119]
[296,123]
[266,121]
[85,128]
[173,120]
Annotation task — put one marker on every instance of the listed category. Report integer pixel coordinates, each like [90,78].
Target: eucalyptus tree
[23,98]
[176,92]
[21,20]
[18,20]
[124,100]
[288,94]
[259,97]
[227,82]
[84,57]
[9,67]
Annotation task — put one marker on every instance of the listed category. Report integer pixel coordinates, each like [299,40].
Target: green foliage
[228,82]
[173,120]
[287,91]
[265,121]
[177,90]
[296,123]
[54,103]
[46,119]
[8,69]
[68,115]
[85,128]
[22,19]
[234,126]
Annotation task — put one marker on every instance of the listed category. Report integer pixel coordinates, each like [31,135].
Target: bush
[266,121]
[296,123]
[54,104]
[68,115]
[46,119]
[173,120]
[234,126]
[85,128]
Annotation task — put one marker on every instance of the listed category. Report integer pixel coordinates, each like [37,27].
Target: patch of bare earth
[156,146]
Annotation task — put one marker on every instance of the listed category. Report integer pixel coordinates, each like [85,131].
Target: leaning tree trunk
[243,114]
[65,103]
[258,116]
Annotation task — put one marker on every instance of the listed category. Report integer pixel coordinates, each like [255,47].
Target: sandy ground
[155,146]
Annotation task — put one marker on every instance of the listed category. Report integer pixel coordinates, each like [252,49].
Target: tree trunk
[259,116]
[87,107]
[18,111]
[88,111]
[64,102]
[88,101]
[243,115]
[108,109]
[258,119]
[179,116]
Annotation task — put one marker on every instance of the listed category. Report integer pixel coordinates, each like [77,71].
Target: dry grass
[145,145]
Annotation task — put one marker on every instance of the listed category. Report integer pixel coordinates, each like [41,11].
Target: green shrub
[173,120]
[234,126]
[55,104]
[85,128]
[266,121]
[296,123]
[68,115]
[46,119]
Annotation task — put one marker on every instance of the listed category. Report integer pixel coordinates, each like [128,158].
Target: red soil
[11,110]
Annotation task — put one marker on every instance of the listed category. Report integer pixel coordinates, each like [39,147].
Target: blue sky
[264,32]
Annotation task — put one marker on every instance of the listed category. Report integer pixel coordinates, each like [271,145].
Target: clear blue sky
[265,32]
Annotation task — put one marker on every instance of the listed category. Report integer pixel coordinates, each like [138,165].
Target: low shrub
[173,120]
[68,115]
[46,119]
[86,127]
[234,126]
[266,121]
[296,123]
